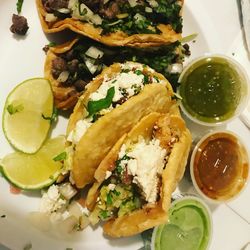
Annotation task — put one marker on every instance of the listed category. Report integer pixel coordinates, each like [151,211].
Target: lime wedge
[34,171]
[25,110]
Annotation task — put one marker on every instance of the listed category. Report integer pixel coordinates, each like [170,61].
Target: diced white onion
[50,17]
[63,76]
[94,52]
[91,66]
[64,10]
[132,3]
[40,220]
[75,209]
[153,3]
[175,68]
[138,17]
[84,221]
[148,10]
[67,191]
[96,19]
[67,226]
[85,7]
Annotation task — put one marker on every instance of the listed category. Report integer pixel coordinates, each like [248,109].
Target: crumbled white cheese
[122,81]
[111,186]
[76,134]
[51,201]
[146,163]
[108,174]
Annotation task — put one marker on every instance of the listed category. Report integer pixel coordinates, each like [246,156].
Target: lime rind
[34,171]
[46,124]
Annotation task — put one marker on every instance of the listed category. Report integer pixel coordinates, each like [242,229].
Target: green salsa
[189,227]
[211,89]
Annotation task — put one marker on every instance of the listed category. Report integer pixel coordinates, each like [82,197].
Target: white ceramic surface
[219,31]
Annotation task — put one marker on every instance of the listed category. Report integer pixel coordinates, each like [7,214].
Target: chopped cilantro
[156,78]
[94,107]
[103,214]
[138,72]
[119,168]
[14,109]
[62,156]
[146,79]
[51,44]
[53,117]
[109,199]
[19,6]
[136,88]
[116,192]
[125,70]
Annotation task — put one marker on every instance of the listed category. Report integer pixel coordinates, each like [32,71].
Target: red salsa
[220,166]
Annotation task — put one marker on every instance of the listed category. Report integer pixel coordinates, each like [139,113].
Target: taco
[111,105]
[71,66]
[134,182]
[140,23]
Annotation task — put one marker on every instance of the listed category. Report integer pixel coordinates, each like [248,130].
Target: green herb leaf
[96,106]
[53,117]
[116,192]
[14,109]
[19,6]
[52,44]
[109,199]
[62,156]
[103,214]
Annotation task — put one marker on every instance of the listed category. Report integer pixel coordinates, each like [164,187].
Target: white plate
[217,24]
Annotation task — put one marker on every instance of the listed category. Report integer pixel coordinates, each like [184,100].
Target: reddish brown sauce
[220,166]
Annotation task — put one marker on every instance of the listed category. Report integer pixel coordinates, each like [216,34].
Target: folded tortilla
[67,93]
[65,97]
[173,135]
[119,38]
[98,139]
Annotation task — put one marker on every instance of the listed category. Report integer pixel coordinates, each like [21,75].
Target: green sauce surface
[188,228]
[211,89]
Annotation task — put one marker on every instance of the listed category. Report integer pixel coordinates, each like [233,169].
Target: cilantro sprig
[94,107]
[60,157]
[19,6]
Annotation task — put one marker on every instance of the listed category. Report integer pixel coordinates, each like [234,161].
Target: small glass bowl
[230,64]
[219,166]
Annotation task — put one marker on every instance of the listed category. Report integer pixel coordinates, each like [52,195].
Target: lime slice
[34,171]
[23,117]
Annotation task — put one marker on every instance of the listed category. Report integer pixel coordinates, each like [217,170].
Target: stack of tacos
[71,66]
[126,141]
